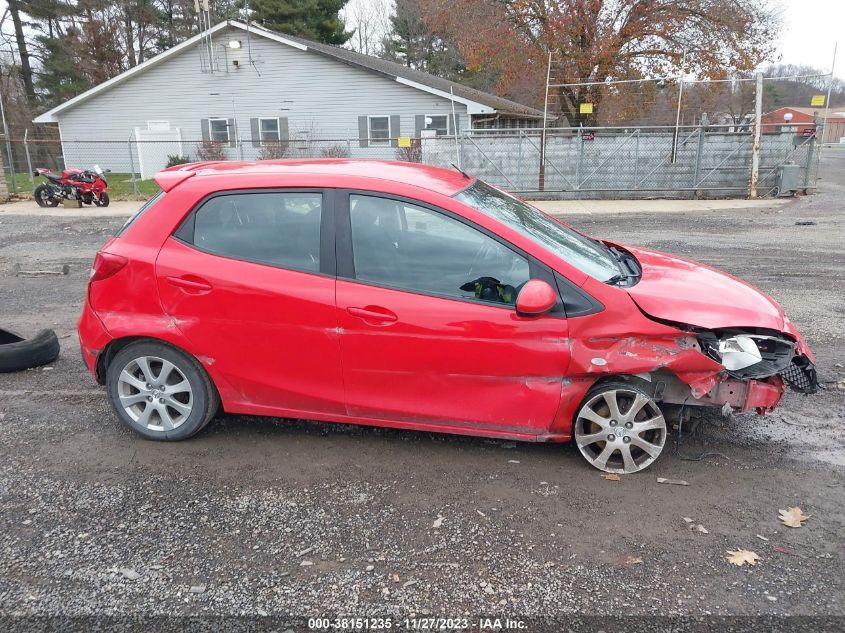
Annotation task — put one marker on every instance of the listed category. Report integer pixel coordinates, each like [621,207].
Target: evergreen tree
[414,43]
[62,76]
[317,20]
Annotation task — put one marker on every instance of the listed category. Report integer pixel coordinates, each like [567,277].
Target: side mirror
[535,299]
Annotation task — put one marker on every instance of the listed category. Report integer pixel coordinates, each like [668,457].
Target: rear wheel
[160,392]
[44,196]
[620,428]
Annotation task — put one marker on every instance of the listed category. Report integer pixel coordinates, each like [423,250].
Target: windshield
[585,254]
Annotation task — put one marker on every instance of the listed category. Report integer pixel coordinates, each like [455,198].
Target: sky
[810,29]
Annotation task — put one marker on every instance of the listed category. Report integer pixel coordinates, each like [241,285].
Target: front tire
[619,428]
[103,201]
[160,392]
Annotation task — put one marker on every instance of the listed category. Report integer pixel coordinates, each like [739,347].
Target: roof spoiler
[169,178]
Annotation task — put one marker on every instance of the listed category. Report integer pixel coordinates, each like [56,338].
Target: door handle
[373,313]
[190,284]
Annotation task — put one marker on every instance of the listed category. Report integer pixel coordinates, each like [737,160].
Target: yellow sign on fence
[586,108]
[817,101]
[404,141]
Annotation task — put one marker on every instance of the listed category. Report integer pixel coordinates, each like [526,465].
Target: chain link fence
[703,160]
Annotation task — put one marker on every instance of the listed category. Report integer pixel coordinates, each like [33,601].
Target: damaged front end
[757,366]
[761,355]
[740,370]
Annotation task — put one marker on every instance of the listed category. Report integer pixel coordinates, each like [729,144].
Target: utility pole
[755,147]
[678,113]
[542,183]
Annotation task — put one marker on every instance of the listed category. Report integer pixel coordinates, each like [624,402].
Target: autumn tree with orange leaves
[603,40]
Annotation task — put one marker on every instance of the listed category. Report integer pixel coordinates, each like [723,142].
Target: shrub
[175,159]
[411,154]
[274,150]
[335,151]
[211,151]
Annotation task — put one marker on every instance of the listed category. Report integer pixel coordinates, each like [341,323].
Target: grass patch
[120,186]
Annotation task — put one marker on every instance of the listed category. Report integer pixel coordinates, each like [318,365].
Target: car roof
[444,181]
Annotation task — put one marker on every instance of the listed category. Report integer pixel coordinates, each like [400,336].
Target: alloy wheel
[155,393]
[620,430]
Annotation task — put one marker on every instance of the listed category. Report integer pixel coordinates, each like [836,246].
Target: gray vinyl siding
[319,97]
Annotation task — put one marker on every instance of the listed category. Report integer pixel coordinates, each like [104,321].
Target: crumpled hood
[684,291]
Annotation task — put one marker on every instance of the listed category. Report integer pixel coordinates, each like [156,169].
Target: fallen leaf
[630,559]
[793,517]
[611,477]
[672,482]
[702,529]
[687,520]
[742,556]
[438,522]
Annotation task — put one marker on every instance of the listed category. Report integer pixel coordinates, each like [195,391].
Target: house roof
[832,113]
[477,102]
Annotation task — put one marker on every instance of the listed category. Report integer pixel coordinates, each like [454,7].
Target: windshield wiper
[627,270]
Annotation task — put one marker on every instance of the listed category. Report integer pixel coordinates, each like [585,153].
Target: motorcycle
[88,186]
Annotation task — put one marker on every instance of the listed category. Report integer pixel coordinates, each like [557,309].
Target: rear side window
[281,229]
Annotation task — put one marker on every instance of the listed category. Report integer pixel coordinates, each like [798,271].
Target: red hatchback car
[395,294]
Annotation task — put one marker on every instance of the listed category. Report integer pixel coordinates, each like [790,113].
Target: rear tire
[160,392]
[44,196]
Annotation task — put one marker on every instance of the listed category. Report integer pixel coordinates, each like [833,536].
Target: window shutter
[419,125]
[204,130]
[255,132]
[283,128]
[394,130]
[232,136]
[363,132]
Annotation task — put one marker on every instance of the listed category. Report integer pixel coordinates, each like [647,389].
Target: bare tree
[370,20]
[601,40]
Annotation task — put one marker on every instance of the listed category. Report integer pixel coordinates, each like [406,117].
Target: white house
[252,90]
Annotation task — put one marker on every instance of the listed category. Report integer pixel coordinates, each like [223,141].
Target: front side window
[281,229]
[438,122]
[587,255]
[218,130]
[268,130]
[379,130]
[405,246]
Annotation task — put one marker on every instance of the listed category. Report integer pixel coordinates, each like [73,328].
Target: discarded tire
[18,353]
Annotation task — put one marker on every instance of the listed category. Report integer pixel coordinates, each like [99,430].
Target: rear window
[144,207]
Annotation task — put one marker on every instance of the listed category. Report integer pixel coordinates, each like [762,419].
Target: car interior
[406,246]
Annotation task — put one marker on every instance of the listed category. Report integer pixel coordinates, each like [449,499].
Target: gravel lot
[262,517]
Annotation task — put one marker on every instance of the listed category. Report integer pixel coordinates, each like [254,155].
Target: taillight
[106,265]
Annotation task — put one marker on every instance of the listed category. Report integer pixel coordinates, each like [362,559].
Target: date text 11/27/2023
[416,624]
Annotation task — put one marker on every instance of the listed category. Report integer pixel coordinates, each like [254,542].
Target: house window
[379,130]
[439,123]
[268,130]
[218,130]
